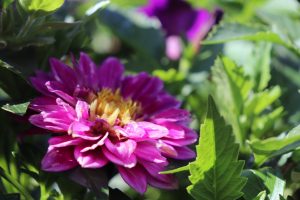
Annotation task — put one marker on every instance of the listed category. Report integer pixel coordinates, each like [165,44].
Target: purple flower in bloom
[97,115]
[178,18]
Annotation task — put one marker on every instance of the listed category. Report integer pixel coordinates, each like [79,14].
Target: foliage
[215,174]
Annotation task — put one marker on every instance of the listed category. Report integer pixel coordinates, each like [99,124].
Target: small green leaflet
[216,172]
[18,109]
[275,146]
[41,5]
[234,31]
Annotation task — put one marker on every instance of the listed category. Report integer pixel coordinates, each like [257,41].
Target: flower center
[112,107]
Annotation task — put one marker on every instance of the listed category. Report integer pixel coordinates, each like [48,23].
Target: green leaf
[13,83]
[261,65]
[231,87]
[41,5]
[18,109]
[15,183]
[215,174]
[261,184]
[233,31]
[275,146]
[260,101]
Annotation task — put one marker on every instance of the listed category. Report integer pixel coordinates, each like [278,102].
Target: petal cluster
[97,115]
[179,18]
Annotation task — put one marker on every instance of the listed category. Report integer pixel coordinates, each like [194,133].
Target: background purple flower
[97,115]
[178,18]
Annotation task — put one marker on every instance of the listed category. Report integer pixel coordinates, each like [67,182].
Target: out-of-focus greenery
[249,63]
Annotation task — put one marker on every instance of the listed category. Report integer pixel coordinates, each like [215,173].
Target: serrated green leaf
[233,31]
[261,184]
[231,87]
[261,65]
[261,100]
[215,174]
[275,146]
[263,123]
[41,5]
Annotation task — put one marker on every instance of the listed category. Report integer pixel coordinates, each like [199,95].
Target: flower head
[179,18]
[97,115]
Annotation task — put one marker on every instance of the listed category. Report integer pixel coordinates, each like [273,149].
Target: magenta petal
[133,131]
[64,74]
[90,159]
[184,153]
[159,180]
[172,115]
[82,110]
[135,177]
[121,152]
[163,181]
[153,131]
[86,72]
[60,90]
[166,149]
[39,121]
[148,151]
[203,22]
[43,104]
[59,159]
[190,138]
[95,145]
[110,73]
[63,141]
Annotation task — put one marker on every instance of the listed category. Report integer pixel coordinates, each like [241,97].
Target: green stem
[15,183]
[28,24]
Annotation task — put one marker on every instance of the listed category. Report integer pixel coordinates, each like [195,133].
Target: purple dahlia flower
[179,18]
[98,115]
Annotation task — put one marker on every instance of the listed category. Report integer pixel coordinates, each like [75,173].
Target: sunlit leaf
[19,109]
[41,5]
[233,31]
[275,146]
[215,174]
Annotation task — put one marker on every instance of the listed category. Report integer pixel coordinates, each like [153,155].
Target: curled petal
[63,141]
[184,153]
[82,110]
[166,149]
[64,74]
[95,145]
[121,152]
[90,159]
[153,131]
[135,177]
[59,159]
[148,151]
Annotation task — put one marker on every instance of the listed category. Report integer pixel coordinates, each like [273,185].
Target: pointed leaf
[19,109]
[215,174]
[275,146]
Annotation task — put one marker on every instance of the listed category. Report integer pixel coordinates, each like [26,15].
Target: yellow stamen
[112,107]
